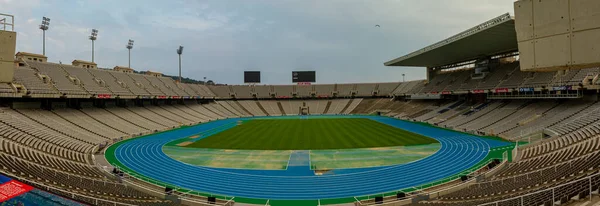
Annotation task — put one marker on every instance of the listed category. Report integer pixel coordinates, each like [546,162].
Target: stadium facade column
[8,43]
[430,73]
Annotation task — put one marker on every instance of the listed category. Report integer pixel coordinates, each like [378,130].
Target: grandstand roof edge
[496,36]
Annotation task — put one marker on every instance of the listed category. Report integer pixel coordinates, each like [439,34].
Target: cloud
[337,38]
[188,22]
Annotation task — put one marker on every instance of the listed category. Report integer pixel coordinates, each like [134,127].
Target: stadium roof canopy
[494,37]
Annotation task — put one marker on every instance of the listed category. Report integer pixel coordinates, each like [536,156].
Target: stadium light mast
[93,37]
[44,26]
[402,77]
[179,52]
[129,47]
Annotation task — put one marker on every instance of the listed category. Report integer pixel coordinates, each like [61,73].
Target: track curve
[458,152]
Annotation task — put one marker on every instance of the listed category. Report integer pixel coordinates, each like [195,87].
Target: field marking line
[309,161]
[289,159]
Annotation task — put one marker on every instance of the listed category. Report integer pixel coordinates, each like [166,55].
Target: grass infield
[310,134]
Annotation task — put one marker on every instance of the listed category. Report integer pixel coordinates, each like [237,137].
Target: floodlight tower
[44,26]
[179,52]
[402,77]
[129,47]
[93,37]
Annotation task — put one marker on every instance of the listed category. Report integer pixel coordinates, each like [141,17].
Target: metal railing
[128,174]
[540,170]
[471,172]
[7,20]
[535,96]
[580,187]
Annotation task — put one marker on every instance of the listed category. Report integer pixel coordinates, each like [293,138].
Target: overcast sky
[222,38]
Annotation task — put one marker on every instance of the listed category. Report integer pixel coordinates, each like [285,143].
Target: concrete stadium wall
[8,43]
[558,34]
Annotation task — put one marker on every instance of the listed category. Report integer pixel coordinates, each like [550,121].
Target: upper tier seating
[457,79]
[221,91]
[34,84]
[263,91]
[304,90]
[88,81]
[515,79]
[324,89]
[207,91]
[173,86]
[344,90]
[283,90]
[190,89]
[153,89]
[136,88]
[386,89]
[60,79]
[539,79]
[242,91]
[405,87]
[366,89]
[496,75]
[111,82]
[154,82]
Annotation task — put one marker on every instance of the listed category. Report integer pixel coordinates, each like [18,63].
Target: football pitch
[310,134]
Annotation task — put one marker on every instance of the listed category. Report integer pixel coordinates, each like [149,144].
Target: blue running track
[458,152]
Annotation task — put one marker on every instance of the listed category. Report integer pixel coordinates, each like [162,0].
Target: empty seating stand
[36,85]
[67,85]
[115,86]
[90,83]
[243,91]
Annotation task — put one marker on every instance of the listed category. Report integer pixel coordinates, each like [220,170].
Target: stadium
[508,115]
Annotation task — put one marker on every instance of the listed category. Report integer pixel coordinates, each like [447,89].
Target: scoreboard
[303,76]
[251,76]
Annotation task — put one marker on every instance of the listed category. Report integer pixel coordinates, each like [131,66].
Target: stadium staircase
[503,104]
[122,83]
[53,128]
[327,107]
[419,113]
[374,106]
[261,108]
[561,121]
[534,117]
[364,106]
[163,116]
[142,116]
[128,121]
[77,125]
[243,108]
[446,109]
[102,122]
[227,109]
[461,111]
[480,107]
[513,112]
[346,107]
[281,108]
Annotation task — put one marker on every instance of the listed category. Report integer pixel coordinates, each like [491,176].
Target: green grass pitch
[311,134]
